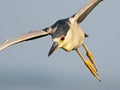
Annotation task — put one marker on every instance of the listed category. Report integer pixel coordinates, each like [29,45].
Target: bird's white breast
[74,38]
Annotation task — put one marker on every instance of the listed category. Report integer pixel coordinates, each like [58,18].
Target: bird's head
[61,28]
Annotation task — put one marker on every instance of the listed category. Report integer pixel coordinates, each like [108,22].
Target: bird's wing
[28,36]
[85,10]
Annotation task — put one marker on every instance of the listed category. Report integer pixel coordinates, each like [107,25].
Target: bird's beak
[53,48]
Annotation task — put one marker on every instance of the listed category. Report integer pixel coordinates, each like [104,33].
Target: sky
[26,65]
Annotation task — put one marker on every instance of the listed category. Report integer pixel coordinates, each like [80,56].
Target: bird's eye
[62,38]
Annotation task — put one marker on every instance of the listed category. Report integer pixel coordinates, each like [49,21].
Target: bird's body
[74,37]
[66,34]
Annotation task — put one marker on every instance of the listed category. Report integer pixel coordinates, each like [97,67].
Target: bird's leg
[90,56]
[89,65]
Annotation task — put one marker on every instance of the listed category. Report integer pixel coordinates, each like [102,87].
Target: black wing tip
[49,54]
[86,35]
[101,0]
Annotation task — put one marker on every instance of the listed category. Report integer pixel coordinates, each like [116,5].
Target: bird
[66,34]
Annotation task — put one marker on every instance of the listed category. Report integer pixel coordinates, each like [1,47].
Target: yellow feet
[90,64]
[92,69]
[90,56]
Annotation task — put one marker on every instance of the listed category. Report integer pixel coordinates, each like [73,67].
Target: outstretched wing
[28,36]
[84,11]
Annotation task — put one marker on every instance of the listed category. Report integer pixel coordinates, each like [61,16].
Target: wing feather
[25,37]
[85,10]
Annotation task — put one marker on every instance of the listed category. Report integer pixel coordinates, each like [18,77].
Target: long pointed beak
[53,48]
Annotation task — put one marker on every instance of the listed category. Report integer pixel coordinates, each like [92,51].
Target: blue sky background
[25,66]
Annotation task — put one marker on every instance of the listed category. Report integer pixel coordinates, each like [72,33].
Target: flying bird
[66,34]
